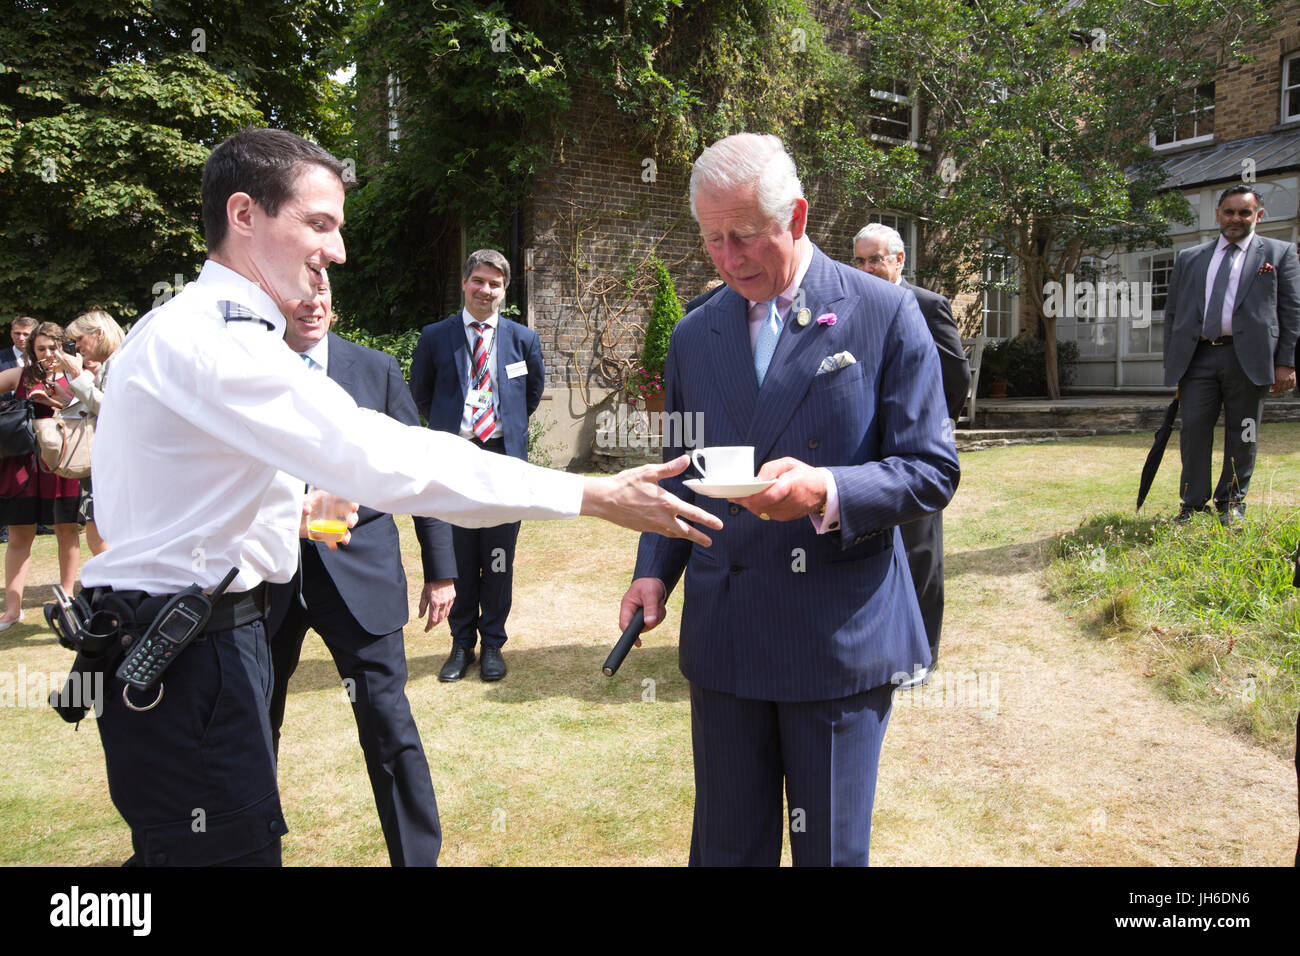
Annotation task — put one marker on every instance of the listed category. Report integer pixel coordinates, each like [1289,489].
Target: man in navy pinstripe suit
[802,613]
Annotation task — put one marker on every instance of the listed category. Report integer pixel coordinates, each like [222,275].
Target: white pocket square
[837,361]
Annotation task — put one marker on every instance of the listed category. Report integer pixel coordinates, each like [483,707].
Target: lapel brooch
[803,317]
[827,319]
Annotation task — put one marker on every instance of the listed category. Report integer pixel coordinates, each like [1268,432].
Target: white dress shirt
[1234,278]
[209,429]
[319,355]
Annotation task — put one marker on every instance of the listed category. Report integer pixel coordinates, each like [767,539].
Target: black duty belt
[231,610]
[243,607]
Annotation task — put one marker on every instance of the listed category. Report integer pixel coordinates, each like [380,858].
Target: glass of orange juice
[328,518]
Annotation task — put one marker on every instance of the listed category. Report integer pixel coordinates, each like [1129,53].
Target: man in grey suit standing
[1231,323]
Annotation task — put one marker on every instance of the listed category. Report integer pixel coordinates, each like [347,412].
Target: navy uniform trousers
[374,671]
[194,777]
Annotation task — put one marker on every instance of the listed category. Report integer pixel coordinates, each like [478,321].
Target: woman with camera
[97,337]
[29,494]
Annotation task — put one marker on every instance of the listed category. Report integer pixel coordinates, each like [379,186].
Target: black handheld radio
[179,621]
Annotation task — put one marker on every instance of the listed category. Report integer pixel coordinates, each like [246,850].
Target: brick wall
[600,210]
[1247,96]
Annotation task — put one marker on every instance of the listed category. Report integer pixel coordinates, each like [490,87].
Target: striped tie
[483,423]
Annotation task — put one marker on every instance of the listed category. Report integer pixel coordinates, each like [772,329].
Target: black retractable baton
[625,642]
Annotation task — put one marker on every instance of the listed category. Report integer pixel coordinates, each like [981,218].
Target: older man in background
[880,251]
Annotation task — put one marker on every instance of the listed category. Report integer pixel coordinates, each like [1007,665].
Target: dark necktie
[1214,314]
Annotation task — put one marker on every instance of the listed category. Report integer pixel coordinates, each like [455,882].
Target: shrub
[664,315]
[1022,362]
[400,345]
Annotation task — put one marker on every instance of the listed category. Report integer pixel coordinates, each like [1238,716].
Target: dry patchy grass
[1076,759]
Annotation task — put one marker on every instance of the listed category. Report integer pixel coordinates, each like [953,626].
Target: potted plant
[994,368]
[646,382]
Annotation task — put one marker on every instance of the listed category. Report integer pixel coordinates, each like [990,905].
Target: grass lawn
[560,765]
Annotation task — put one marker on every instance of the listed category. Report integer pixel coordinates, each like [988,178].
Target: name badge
[515,369]
[478,397]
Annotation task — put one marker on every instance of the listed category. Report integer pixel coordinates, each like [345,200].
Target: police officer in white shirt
[210,427]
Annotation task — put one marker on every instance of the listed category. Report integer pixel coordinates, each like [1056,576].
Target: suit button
[813,443]
[736,569]
[734,509]
[859,539]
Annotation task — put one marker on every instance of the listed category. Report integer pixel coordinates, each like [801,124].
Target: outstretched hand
[633,499]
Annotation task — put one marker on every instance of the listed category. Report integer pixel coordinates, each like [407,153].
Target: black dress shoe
[1186,511]
[493,665]
[1232,513]
[457,664]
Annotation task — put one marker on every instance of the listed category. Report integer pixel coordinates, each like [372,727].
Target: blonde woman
[97,337]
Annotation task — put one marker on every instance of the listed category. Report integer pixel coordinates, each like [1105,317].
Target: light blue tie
[765,347]
[306,360]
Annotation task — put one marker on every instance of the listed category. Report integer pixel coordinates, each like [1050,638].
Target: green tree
[1036,142]
[108,109]
[477,95]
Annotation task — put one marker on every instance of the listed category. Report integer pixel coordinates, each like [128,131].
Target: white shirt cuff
[830,520]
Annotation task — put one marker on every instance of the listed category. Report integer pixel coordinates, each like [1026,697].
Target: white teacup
[726,463]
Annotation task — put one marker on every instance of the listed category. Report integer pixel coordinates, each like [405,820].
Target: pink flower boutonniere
[1266,268]
[827,319]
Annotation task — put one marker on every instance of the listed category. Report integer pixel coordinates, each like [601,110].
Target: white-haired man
[795,622]
[880,250]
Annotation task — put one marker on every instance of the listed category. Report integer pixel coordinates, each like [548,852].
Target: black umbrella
[1157,451]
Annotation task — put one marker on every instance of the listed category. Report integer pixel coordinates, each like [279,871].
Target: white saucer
[738,489]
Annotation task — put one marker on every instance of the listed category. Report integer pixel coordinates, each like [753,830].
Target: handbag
[17,436]
[65,445]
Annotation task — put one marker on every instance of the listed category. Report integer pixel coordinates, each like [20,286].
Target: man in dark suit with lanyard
[481,378]
[356,599]
[1232,318]
[880,250]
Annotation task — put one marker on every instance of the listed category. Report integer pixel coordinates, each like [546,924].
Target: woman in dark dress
[30,495]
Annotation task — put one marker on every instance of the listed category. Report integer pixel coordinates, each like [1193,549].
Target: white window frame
[896,99]
[1147,263]
[394,102]
[1012,302]
[1196,114]
[1290,83]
